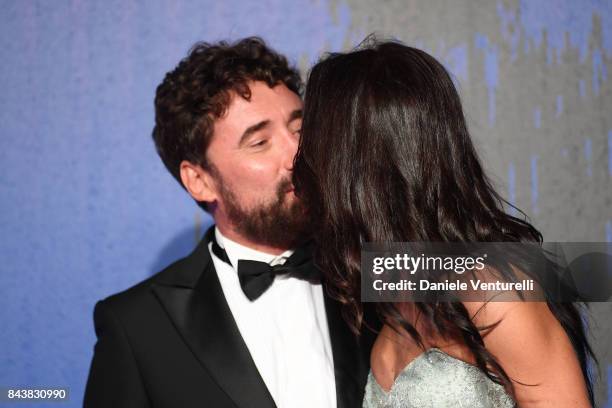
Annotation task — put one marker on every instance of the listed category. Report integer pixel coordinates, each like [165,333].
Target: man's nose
[290,147]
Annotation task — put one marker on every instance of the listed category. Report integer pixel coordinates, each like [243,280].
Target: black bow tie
[256,277]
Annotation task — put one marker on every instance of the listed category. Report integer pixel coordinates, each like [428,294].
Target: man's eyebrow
[252,129]
[296,114]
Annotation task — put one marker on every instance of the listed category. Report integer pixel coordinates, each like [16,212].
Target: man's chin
[282,225]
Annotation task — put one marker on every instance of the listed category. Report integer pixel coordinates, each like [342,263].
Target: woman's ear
[198,182]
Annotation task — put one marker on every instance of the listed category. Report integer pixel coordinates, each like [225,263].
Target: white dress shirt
[285,330]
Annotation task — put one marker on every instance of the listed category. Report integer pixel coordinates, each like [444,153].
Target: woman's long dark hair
[385,156]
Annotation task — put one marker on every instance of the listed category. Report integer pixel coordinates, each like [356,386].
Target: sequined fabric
[435,379]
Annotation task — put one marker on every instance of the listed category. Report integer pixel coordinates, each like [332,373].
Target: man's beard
[274,224]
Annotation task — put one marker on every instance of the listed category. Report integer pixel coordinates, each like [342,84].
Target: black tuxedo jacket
[171,341]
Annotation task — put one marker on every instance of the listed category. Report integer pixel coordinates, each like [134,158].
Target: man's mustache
[284,186]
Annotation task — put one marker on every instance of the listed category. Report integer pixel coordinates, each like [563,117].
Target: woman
[385,156]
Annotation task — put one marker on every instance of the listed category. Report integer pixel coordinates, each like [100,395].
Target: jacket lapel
[351,357]
[192,296]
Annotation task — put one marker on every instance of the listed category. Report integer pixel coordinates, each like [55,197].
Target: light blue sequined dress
[436,380]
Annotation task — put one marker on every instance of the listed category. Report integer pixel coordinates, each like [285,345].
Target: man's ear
[198,182]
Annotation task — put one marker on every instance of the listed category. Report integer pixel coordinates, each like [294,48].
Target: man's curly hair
[199,90]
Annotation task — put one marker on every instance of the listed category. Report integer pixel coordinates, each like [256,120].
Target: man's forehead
[276,104]
[263,103]
[259,91]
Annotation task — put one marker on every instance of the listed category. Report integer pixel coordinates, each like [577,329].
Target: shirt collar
[235,251]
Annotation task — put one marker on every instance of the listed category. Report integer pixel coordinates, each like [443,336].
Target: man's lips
[286,186]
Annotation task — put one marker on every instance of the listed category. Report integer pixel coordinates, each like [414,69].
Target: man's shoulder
[140,294]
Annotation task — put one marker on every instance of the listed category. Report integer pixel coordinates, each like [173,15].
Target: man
[242,321]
